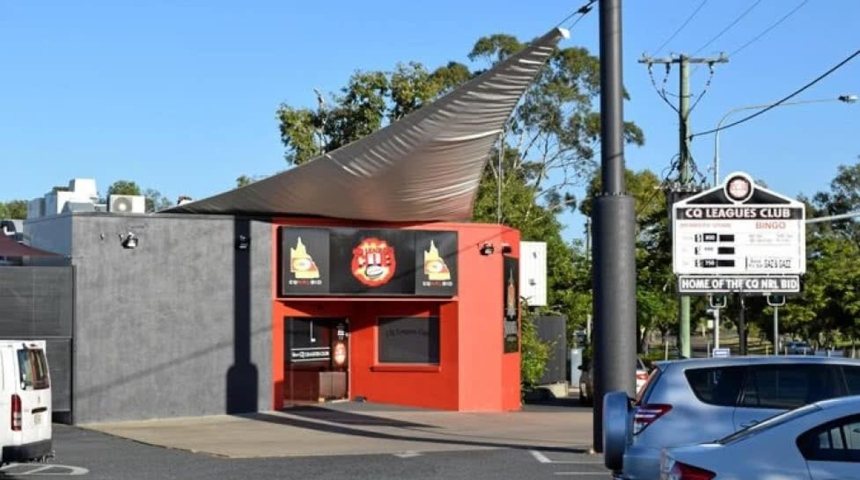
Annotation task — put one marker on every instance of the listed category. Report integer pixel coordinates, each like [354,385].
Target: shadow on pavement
[348,418]
[410,436]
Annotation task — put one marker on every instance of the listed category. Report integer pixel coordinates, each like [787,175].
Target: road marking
[540,457]
[407,454]
[21,469]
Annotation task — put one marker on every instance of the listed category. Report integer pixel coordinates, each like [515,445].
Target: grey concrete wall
[179,325]
[50,233]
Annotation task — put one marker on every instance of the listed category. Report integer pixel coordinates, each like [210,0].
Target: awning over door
[423,167]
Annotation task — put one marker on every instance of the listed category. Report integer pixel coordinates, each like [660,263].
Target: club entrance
[317,360]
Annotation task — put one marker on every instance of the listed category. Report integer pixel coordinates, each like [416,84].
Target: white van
[25,401]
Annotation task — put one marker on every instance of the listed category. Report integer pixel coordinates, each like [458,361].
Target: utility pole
[614,254]
[685,177]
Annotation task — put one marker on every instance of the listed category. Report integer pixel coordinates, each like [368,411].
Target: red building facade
[421,315]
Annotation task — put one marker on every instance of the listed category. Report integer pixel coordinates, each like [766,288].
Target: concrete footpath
[352,428]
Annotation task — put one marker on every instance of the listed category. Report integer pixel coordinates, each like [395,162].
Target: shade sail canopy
[10,248]
[423,167]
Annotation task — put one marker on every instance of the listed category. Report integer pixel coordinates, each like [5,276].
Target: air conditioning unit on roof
[127,204]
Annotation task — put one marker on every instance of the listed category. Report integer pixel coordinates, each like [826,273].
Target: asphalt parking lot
[331,441]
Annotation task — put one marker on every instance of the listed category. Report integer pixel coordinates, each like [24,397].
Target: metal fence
[37,303]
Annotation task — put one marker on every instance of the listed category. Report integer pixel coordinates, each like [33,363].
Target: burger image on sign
[373,262]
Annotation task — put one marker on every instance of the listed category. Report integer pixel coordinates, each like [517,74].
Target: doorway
[316,366]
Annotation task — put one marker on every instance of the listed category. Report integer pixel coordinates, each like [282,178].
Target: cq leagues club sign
[379,262]
[738,237]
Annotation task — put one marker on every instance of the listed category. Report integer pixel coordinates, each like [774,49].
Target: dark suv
[695,401]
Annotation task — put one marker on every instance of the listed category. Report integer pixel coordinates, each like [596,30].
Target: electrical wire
[729,27]
[768,29]
[683,25]
[643,206]
[581,11]
[780,102]
[704,89]
[661,92]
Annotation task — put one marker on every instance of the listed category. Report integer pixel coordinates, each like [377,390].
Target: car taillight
[641,376]
[16,413]
[647,414]
[682,471]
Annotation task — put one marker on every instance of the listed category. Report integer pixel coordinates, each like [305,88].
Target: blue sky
[180,96]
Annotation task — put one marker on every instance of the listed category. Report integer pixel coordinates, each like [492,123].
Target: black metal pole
[614,255]
[742,326]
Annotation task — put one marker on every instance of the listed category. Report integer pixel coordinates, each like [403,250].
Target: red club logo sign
[373,262]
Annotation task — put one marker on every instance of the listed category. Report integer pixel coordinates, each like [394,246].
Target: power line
[705,88]
[780,102]
[768,29]
[671,37]
[729,27]
[581,11]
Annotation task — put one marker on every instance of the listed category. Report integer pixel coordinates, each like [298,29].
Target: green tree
[155,201]
[829,305]
[16,209]
[535,353]
[123,187]
[657,306]
[843,197]
[243,180]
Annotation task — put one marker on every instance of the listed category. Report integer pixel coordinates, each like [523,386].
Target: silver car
[815,442]
[688,402]
[586,381]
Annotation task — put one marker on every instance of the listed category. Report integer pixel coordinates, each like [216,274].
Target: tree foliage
[534,352]
[123,187]
[15,209]
[828,308]
[155,201]
[657,306]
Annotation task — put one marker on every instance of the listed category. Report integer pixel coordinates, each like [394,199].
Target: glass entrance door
[316,365]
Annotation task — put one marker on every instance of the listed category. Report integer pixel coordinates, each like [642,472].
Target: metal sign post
[717,302]
[776,301]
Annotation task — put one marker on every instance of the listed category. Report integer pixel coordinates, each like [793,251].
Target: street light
[848,98]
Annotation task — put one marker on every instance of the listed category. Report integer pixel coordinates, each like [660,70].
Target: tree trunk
[643,340]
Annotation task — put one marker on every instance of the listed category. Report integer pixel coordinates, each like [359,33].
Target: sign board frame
[738,237]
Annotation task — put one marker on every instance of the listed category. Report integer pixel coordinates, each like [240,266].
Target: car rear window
[716,385]
[852,379]
[645,391]
[787,386]
[34,368]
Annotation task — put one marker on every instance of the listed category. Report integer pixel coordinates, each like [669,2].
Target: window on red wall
[412,340]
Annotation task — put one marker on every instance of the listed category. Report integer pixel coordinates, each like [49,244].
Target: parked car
[586,381]
[687,402]
[798,348]
[25,401]
[818,441]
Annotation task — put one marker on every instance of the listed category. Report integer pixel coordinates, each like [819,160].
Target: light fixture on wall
[129,240]
[486,248]
[243,242]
